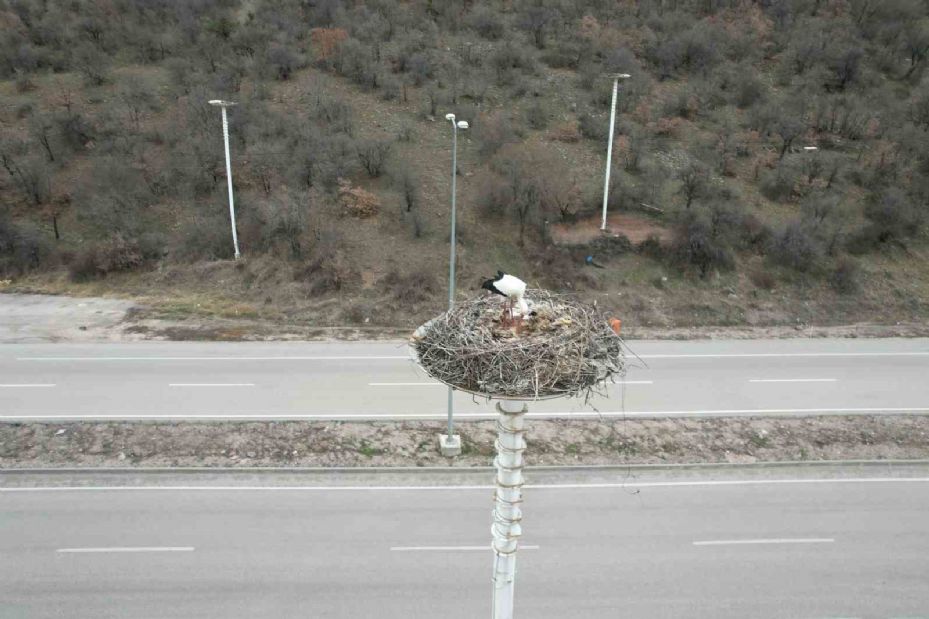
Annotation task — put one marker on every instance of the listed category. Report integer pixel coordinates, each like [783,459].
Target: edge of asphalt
[382,470]
[621,478]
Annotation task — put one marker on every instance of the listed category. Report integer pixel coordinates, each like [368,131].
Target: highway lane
[377,380]
[636,551]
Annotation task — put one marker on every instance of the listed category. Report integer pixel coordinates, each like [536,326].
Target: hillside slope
[113,178]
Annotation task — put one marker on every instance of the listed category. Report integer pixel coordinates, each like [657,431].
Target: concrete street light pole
[506,527]
[609,149]
[450,443]
[223,105]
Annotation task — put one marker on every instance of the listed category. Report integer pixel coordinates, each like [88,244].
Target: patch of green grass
[367,450]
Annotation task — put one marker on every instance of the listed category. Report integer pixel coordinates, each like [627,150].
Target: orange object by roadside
[616,324]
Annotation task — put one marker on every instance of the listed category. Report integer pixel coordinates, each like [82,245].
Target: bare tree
[694,179]
[373,156]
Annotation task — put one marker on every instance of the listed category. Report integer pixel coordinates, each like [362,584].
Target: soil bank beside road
[551,442]
[33,318]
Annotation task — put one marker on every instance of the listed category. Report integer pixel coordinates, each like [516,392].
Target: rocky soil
[551,442]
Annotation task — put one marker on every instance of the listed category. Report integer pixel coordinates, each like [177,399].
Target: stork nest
[564,348]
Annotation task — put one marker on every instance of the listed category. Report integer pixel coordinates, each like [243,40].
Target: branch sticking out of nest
[564,348]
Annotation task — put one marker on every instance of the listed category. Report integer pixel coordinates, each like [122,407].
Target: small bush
[373,156]
[493,131]
[696,244]
[894,214]
[22,247]
[116,254]
[204,238]
[592,127]
[778,185]
[486,23]
[763,279]
[412,288]
[328,271]
[845,277]
[752,233]
[796,247]
[652,247]
[537,116]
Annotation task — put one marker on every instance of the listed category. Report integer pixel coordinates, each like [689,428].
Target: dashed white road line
[787,354]
[406,384]
[308,358]
[485,547]
[127,549]
[733,542]
[27,386]
[211,384]
[792,380]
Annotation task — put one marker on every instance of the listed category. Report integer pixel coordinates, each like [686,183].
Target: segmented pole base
[507,514]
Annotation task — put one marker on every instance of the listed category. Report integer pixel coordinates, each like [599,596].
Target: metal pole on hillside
[223,105]
[609,149]
[450,443]
[508,496]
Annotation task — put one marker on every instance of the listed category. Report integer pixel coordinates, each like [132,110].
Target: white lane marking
[407,358]
[799,540]
[596,486]
[211,384]
[360,416]
[793,380]
[26,386]
[787,354]
[314,358]
[129,549]
[450,548]
[405,385]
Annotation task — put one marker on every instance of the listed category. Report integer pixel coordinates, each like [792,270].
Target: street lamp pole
[223,105]
[450,444]
[609,149]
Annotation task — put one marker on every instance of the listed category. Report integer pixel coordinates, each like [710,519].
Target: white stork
[513,288]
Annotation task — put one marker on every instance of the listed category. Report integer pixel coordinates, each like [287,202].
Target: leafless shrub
[373,156]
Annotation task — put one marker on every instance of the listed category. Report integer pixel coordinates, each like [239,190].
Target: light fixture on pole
[450,443]
[223,105]
[609,149]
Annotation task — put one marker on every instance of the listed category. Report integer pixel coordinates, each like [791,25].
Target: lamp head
[220,102]
[462,124]
[450,117]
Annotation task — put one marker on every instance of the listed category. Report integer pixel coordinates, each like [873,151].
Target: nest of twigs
[564,348]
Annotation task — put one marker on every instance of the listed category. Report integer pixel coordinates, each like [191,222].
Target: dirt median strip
[551,442]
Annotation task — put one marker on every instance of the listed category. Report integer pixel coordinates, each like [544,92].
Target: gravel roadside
[551,442]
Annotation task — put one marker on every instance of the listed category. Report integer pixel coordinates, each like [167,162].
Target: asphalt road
[377,380]
[756,546]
